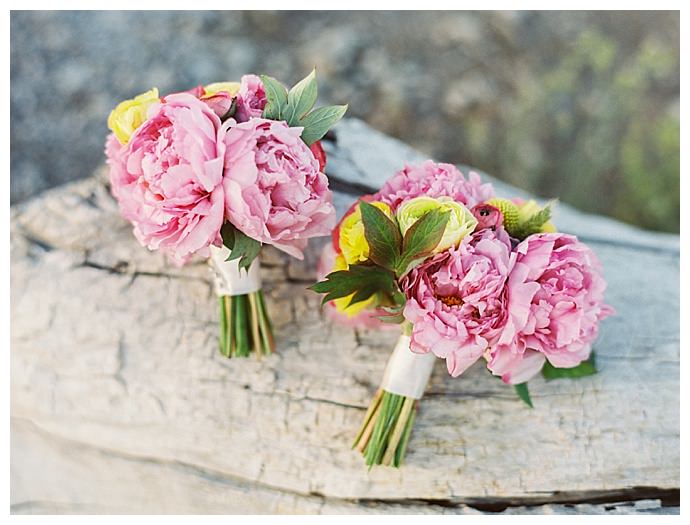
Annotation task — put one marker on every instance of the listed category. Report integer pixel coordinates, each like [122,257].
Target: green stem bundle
[245,326]
[383,436]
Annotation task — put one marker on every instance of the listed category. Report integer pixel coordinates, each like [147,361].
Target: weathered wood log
[120,401]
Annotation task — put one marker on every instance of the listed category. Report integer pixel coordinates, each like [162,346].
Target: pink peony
[196,91]
[488,217]
[251,98]
[456,300]
[274,191]
[555,302]
[167,179]
[219,102]
[116,158]
[434,180]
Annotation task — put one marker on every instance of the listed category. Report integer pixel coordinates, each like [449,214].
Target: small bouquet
[467,275]
[219,171]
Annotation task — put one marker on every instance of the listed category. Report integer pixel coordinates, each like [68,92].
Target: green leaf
[319,121]
[294,107]
[391,318]
[300,99]
[276,98]
[362,294]
[422,237]
[393,314]
[361,280]
[241,247]
[535,222]
[523,393]
[586,368]
[382,235]
[407,328]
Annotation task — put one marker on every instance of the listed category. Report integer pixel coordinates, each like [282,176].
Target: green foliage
[295,107]
[241,247]
[392,316]
[276,98]
[586,368]
[650,159]
[422,237]
[319,121]
[523,393]
[361,280]
[389,249]
[301,98]
[389,256]
[394,313]
[533,224]
[595,123]
[382,235]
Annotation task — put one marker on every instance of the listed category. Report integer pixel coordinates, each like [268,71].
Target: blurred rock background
[583,106]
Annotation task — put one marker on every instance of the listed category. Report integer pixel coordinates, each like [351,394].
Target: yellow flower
[460,223]
[342,304]
[229,87]
[353,244]
[130,114]
[529,208]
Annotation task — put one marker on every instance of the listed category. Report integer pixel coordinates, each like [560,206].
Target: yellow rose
[342,304]
[529,208]
[229,87]
[353,244]
[130,114]
[460,223]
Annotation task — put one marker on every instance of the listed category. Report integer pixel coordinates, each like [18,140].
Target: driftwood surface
[121,403]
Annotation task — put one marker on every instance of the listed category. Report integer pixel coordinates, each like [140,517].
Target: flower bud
[231,88]
[352,243]
[130,114]
[460,223]
[510,213]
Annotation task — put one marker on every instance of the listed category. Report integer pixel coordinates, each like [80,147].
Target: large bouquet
[217,172]
[467,275]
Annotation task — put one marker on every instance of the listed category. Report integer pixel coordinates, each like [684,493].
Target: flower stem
[244,326]
[241,333]
[400,426]
[254,322]
[265,323]
[400,452]
[386,429]
[227,335]
[223,338]
[368,419]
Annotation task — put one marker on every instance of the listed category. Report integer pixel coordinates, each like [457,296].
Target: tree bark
[121,402]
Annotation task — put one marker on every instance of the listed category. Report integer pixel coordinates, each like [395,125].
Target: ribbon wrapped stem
[245,326]
[387,426]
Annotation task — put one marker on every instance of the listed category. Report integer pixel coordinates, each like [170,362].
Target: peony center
[451,300]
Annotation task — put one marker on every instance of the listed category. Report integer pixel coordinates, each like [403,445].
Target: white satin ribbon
[228,279]
[407,373]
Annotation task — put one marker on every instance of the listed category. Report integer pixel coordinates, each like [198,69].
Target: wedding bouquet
[219,171]
[467,275]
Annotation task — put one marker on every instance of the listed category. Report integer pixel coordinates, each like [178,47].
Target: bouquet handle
[244,323]
[407,373]
[387,426]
